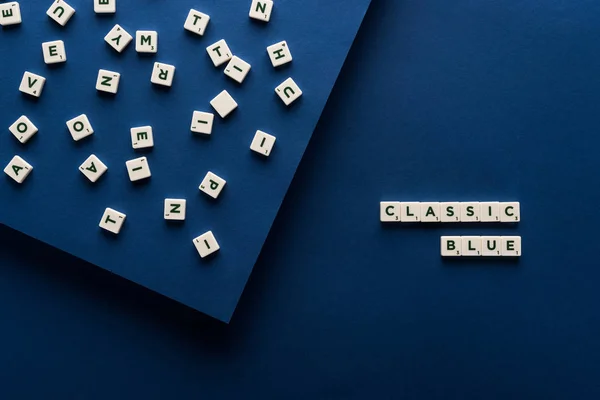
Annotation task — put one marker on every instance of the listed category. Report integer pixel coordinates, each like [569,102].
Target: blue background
[148,250]
[438,100]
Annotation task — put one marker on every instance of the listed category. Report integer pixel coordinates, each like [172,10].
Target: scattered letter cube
[23,129]
[18,169]
[206,244]
[60,12]
[288,91]
[54,52]
[175,209]
[196,22]
[279,53]
[108,81]
[80,127]
[146,41]
[237,69]
[112,220]
[105,6]
[212,185]
[261,10]
[10,14]
[202,122]
[32,84]
[141,137]
[219,52]
[262,143]
[118,38]
[93,168]
[138,169]
[163,74]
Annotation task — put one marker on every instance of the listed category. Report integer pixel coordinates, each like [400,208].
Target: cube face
[510,211]
[237,69]
[10,14]
[490,211]
[471,246]
[118,38]
[93,168]
[138,169]
[219,52]
[389,211]
[288,91]
[202,122]
[196,22]
[223,104]
[54,52]
[261,10]
[108,81]
[142,137]
[450,211]
[80,127]
[162,74]
[263,143]
[105,6]
[32,84]
[60,12]
[410,211]
[451,246]
[206,244]
[511,246]
[23,129]
[175,209]
[470,211]
[18,169]
[112,221]
[491,246]
[430,212]
[146,41]
[212,185]
[279,53]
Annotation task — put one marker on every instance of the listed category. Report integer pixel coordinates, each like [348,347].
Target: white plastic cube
[108,81]
[118,38]
[510,211]
[490,211]
[196,22]
[451,246]
[219,52]
[206,244]
[175,209]
[470,211]
[10,14]
[93,168]
[138,169]
[223,104]
[162,74]
[32,84]
[54,52]
[471,246]
[263,143]
[410,211]
[80,127]
[237,69]
[202,122]
[105,6]
[261,10]
[288,91]
[450,211]
[491,246]
[142,137]
[60,12]
[112,220]
[18,169]
[430,212]
[511,246]
[212,185]
[389,211]
[279,53]
[23,129]
[146,41]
